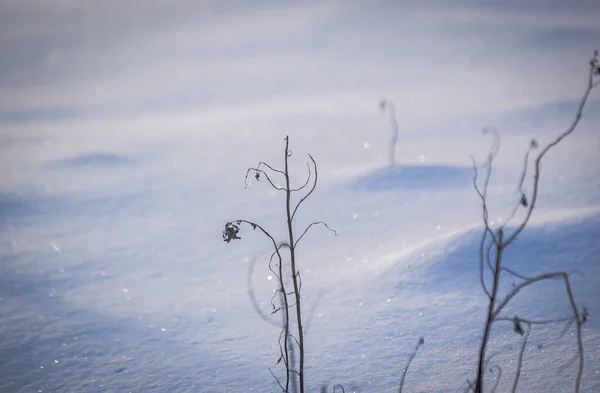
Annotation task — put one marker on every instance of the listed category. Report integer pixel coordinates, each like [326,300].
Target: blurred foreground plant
[495,242]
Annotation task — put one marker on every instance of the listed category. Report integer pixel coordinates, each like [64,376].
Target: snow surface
[122,282]
[113,273]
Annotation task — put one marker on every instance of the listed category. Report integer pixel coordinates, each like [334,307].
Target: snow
[113,272]
[135,291]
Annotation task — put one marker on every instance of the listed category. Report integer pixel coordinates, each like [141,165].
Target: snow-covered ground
[113,273]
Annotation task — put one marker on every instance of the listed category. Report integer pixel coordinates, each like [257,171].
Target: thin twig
[563,135]
[521,354]
[307,180]
[410,359]
[497,378]
[383,105]
[311,190]
[314,223]
[553,276]
[278,382]
[490,315]
[338,386]
[260,171]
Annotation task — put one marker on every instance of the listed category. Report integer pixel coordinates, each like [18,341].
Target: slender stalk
[490,315]
[538,161]
[410,359]
[298,304]
[383,105]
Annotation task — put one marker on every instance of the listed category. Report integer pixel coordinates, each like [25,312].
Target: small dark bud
[253,226]
[257,176]
[524,200]
[534,144]
[422,341]
[517,326]
[584,315]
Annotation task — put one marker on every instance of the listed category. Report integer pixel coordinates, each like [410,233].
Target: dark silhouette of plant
[290,298]
[410,359]
[383,105]
[495,242]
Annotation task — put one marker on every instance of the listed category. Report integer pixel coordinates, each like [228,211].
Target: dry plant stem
[529,323]
[497,378]
[288,210]
[286,325]
[490,315]
[338,386]
[567,132]
[410,359]
[501,244]
[520,361]
[576,317]
[386,104]
[290,340]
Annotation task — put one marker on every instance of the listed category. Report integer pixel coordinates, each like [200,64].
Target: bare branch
[521,354]
[306,182]
[522,202]
[307,228]
[563,135]
[387,104]
[510,271]
[410,359]
[483,196]
[231,232]
[277,379]
[311,190]
[552,276]
[338,386]
[295,339]
[497,378]
[546,276]
[490,315]
[258,172]
[270,167]
[495,145]
[532,145]
[481,258]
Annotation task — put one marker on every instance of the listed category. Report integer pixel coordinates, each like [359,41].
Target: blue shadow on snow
[416,177]
[97,160]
